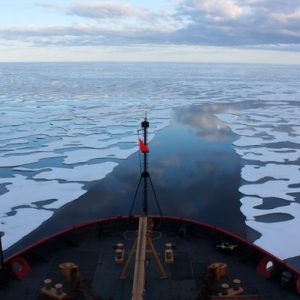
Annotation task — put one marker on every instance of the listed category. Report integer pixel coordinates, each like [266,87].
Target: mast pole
[145,175]
[1,253]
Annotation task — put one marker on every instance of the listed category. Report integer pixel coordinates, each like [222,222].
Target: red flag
[144,148]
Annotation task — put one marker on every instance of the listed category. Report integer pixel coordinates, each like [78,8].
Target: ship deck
[91,248]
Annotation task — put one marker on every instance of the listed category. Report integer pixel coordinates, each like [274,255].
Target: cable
[134,198]
[157,202]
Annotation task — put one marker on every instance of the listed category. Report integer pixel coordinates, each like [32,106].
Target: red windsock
[144,148]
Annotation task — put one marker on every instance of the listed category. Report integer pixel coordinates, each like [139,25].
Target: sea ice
[253,173]
[249,141]
[23,191]
[265,118]
[92,141]
[89,134]
[271,188]
[25,221]
[227,118]
[84,155]
[249,204]
[264,154]
[19,160]
[243,130]
[259,129]
[86,117]
[82,173]
[280,238]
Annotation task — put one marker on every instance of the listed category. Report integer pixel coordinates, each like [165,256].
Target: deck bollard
[224,288]
[59,288]
[47,283]
[236,284]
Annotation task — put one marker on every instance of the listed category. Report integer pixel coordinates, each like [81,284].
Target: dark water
[194,170]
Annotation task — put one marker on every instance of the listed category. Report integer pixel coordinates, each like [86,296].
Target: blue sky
[250,31]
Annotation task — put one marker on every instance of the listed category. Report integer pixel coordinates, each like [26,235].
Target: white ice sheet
[25,221]
[83,173]
[23,191]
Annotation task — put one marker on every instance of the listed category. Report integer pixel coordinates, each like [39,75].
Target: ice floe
[83,173]
[24,191]
[249,141]
[271,188]
[22,223]
[19,160]
[85,155]
[290,173]
[274,235]
[277,235]
[271,170]
[264,154]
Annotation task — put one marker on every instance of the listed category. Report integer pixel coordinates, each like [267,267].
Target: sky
[229,31]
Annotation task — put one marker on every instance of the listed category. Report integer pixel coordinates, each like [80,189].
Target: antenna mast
[145,174]
[143,242]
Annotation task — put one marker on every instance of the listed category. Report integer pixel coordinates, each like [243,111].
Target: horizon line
[154,61]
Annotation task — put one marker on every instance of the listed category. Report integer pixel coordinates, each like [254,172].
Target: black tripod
[145,174]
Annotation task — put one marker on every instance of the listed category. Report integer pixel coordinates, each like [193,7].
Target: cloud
[238,23]
[219,9]
[105,10]
[284,18]
[82,34]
